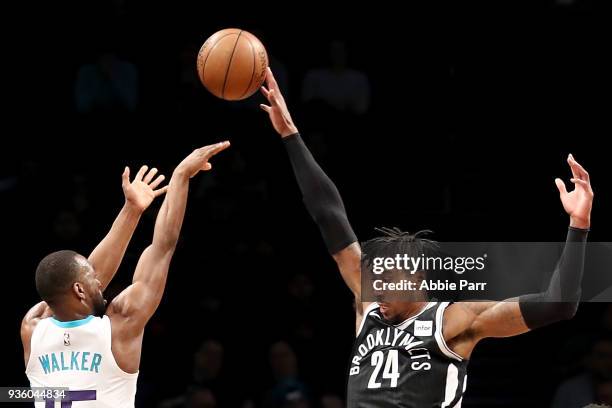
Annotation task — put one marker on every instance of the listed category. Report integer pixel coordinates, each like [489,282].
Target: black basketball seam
[252,73]
[210,52]
[229,65]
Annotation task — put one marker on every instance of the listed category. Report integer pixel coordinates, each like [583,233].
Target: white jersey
[77,355]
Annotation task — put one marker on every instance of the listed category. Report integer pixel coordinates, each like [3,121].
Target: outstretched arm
[558,302]
[139,194]
[130,311]
[320,195]
[138,302]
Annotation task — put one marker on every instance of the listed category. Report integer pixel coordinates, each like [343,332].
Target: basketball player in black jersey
[414,354]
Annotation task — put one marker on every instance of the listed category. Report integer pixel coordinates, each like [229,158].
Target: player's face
[93,289]
[396,306]
[393,311]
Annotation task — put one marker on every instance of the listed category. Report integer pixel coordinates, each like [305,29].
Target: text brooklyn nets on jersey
[406,364]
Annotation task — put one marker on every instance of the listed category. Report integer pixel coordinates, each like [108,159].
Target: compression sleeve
[561,298]
[320,196]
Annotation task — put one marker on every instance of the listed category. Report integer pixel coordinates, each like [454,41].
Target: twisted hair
[394,241]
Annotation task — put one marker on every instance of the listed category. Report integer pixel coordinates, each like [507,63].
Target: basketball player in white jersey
[387,370]
[71,339]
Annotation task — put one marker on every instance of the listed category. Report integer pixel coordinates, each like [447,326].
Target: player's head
[65,279]
[390,244]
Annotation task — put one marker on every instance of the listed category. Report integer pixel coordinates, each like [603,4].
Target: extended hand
[577,203]
[198,160]
[277,110]
[141,192]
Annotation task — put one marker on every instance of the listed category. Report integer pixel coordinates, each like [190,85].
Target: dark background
[472,112]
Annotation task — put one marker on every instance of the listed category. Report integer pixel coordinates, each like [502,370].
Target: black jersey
[405,365]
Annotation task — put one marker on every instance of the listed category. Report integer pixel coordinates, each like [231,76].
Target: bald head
[56,273]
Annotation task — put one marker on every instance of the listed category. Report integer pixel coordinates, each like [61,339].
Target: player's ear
[79,290]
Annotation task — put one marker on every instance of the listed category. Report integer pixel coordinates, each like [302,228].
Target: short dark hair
[55,274]
[394,241]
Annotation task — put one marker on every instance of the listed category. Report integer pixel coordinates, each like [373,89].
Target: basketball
[232,64]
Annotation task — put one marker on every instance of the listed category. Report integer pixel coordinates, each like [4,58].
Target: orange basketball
[232,64]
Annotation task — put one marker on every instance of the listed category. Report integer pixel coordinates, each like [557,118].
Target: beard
[99,305]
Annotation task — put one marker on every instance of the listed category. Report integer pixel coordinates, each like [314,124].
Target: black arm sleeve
[320,196]
[560,300]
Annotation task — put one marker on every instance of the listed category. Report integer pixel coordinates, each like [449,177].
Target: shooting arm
[141,299]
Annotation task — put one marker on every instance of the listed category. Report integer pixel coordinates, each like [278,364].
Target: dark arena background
[463,116]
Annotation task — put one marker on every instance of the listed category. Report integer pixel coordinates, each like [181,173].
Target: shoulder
[29,322]
[362,310]
[32,318]
[457,319]
[123,313]
[27,328]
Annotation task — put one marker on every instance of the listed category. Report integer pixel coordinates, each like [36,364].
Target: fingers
[157,181]
[572,167]
[198,159]
[561,186]
[216,148]
[161,191]
[125,177]
[147,179]
[266,108]
[577,169]
[273,98]
[210,151]
[580,182]
[141,173]
[271,95]
[270,80]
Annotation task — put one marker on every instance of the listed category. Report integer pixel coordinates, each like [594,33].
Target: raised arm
[132,308]
[139,194]
[320,195]
[472,321]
